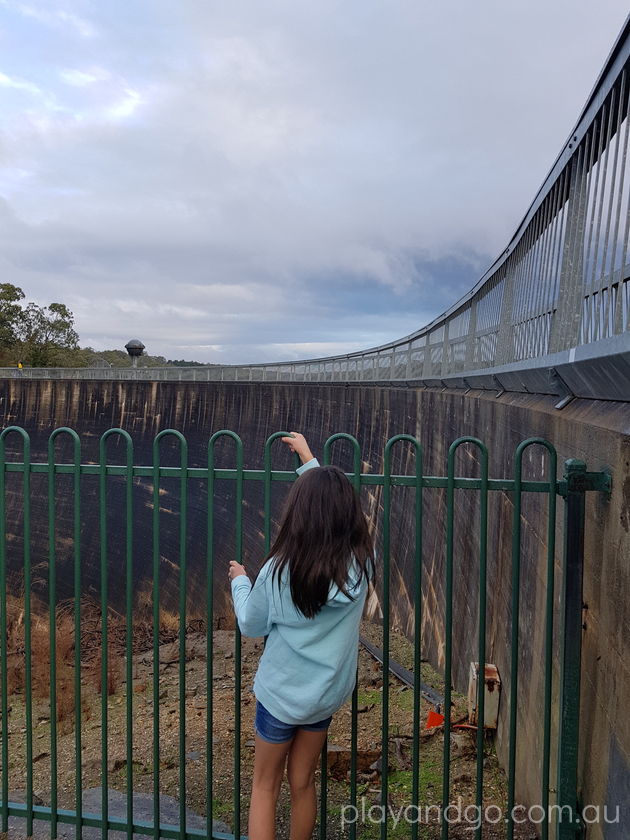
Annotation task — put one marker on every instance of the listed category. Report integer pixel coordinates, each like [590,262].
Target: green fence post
[448,621]
[26,442]
[104,643]
[238,556]
[210,642]
[156,637]
[569,824]
[129,600]
[4,728]
[52,602]
[267,491]
[53,613]
[104,611]
[354,734]
[514,655]
[183,473]
[387,485]
[4,704]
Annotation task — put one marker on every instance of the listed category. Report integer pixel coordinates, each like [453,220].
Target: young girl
[307,599]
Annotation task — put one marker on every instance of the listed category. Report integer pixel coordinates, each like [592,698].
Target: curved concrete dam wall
[596,432]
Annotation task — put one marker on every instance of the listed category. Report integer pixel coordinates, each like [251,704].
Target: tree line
[44,336]
[35,336]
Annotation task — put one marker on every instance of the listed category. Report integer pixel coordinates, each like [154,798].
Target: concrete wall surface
[596,432]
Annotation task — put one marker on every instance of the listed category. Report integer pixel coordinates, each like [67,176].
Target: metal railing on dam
[44,663]
[550,316]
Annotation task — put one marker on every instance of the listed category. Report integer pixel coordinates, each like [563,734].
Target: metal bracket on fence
[499,385]
[585,482]
[561,388]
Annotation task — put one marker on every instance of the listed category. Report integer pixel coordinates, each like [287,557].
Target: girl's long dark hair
[323,528]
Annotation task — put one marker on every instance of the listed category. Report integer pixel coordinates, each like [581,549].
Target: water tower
[135,349]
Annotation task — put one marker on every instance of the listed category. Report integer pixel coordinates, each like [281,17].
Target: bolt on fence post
[570,824]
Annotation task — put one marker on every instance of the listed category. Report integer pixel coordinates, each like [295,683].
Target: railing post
[569,823]
[470,338]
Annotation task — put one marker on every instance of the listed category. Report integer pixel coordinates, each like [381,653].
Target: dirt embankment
[197,742]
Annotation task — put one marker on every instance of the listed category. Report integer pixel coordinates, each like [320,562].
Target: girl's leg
[269,764]
[303,756]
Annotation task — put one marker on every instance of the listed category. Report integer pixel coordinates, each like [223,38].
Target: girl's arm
[235,570]
[251,604]
[298,444]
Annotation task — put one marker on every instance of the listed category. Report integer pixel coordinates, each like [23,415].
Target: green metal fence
[560,719]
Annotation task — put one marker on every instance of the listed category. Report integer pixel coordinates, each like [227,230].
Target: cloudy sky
[248,181]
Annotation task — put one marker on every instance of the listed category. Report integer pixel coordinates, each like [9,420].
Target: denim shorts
[274,731]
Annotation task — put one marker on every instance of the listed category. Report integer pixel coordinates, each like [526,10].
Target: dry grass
[115,670]
[64,651]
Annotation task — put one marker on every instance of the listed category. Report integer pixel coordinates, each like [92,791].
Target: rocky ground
[220,742]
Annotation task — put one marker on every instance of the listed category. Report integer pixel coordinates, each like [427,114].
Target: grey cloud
[258,178]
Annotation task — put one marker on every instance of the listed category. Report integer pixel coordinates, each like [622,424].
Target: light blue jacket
[308,668]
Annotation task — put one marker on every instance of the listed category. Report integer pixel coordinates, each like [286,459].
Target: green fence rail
[560,721]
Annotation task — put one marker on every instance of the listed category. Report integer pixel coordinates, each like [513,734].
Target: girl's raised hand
[298,444]
[235,570]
